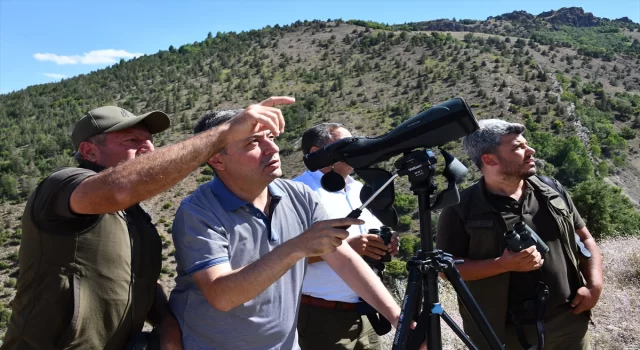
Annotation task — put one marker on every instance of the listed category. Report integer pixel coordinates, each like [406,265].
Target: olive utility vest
[486,229]
[87,290]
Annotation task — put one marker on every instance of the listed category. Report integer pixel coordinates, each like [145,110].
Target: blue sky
[45,40]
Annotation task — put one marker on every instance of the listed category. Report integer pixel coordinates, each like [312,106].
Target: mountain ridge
[580,105]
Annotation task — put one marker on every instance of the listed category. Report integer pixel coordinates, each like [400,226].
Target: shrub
[607,212]
[404,222]
[405,203]
[396,269]
[5,314]
[409,244]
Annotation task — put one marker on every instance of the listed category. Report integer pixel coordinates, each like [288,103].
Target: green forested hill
[573,79]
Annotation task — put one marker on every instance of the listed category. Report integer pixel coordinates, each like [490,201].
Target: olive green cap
[111,118]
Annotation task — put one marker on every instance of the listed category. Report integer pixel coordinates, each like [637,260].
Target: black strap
[556,186]
[541,301]
[379,323]
[522,338]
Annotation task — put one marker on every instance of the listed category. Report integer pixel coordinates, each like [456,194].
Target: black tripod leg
[410,302]
[472,307]
[456,329]
[433,307]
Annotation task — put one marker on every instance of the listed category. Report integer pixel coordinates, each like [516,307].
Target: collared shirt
[214,226]
[321,281]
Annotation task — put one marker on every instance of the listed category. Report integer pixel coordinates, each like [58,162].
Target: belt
[328,304]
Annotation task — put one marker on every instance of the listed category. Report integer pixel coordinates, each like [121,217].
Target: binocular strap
[379,323]
[541,301]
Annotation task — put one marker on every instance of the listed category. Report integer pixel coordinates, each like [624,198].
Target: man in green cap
[90,256]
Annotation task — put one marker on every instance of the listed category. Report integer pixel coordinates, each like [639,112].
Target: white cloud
[92,57]
[55,75]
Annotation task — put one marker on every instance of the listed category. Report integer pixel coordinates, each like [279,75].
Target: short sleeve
[51,208]
[200,241]
[318,213]
[451,236]
[578,222]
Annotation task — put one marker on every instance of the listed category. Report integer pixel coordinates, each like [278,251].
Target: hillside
[578,94]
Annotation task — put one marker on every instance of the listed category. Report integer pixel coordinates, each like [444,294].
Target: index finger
[372,237]
[344,222]
[277,100]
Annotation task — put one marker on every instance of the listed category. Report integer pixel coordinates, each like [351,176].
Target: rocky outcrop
[571,16]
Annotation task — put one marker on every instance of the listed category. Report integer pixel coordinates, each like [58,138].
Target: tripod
[421,296]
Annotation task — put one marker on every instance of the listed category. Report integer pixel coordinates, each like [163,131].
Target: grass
[634,261]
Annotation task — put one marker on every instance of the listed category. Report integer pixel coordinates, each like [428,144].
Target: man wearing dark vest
[90,256]
[523,295]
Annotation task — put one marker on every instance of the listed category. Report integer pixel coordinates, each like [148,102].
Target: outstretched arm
[359,276]
[141,178]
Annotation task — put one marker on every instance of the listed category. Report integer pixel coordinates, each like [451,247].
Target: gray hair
[98,139]
[487,138]
[212,119]
[318,136]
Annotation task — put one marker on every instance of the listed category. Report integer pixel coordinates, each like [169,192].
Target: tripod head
[432,127]
[420,167]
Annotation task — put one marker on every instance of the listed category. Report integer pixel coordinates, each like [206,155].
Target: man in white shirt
[328,318]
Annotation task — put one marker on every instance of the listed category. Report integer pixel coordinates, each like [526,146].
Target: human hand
[394,246]
[259,117]
[324,237]
[525,260]
[370,245]
[585,299]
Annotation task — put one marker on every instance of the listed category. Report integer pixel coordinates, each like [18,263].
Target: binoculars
[385,233]
[523,237]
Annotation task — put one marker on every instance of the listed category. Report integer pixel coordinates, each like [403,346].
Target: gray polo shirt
[213,226]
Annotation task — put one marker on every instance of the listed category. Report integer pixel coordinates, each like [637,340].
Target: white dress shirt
[321,281]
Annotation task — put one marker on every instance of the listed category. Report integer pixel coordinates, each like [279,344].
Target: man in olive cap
[90,257]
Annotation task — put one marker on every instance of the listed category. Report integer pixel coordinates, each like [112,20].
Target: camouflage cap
[111,118]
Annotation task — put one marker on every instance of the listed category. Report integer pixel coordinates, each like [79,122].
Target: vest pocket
[69,334]
[559,208]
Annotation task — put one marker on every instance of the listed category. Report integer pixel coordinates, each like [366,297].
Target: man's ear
[216,162]
[89,151]
[313,149]
[489,159]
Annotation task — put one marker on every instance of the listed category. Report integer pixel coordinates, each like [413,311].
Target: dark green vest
[88,290]
[486,227]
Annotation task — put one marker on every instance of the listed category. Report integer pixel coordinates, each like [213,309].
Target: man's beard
[516,170]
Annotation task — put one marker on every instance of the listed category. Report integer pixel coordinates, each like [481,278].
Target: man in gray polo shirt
[241,246]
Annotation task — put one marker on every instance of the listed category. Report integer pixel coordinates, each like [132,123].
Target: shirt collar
[91,166]
[493,197]
[230,201]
